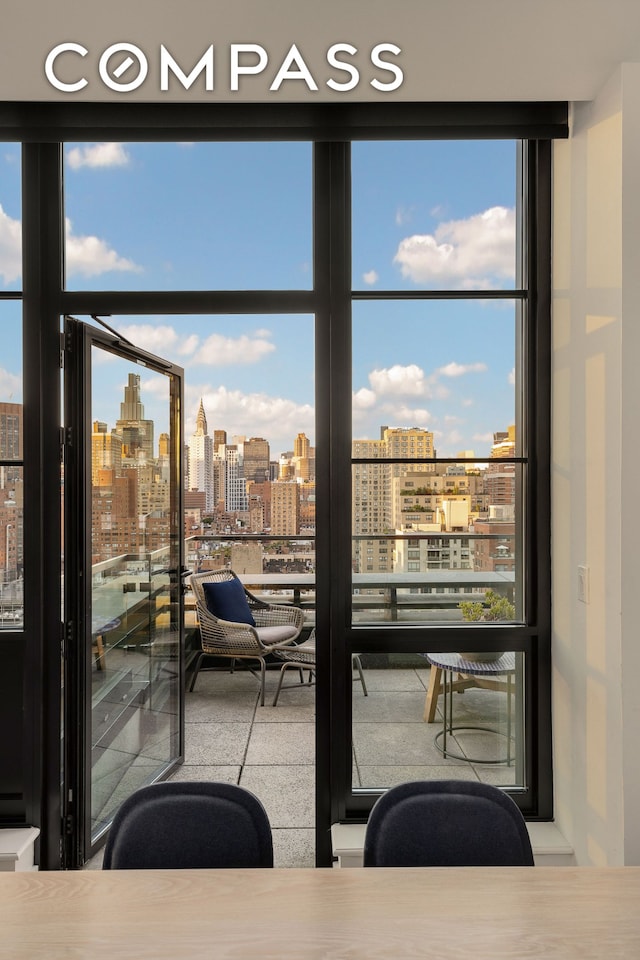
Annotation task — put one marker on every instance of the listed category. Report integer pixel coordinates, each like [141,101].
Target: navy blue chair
[183,825]
[446,823]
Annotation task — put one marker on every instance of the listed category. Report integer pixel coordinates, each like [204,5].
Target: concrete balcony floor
[270,750]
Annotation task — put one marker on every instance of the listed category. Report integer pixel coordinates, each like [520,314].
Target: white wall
[596,396]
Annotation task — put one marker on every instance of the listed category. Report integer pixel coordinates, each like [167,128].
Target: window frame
[43,128]
[532,637]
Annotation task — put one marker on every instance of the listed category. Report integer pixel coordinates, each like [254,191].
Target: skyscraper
[235,491]
[135,431]
[201,459]
[285,508]
[256,459]
[500,477]
[372,499]
[301,457]
[219,438]
[10,431]
[106,451]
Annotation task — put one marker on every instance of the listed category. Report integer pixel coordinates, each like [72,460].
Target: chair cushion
[277,634]
[227,600]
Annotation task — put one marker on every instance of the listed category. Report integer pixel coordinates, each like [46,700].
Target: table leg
[98,643]
[433,692]
[447,723]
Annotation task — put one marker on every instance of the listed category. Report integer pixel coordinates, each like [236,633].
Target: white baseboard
[550,849]
[17,848]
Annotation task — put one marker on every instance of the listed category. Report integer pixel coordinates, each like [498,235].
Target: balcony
[270,750]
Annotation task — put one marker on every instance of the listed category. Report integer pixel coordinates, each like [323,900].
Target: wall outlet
[583,583]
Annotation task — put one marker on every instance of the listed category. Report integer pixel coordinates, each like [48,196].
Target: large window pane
[185,216]
[428,720]
[10,217]
[436,496]
[134,644]
[254,374]
[434,215]
[11,546]
[448,366]
[11,472]
[249,437]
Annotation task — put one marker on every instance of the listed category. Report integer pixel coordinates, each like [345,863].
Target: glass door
[124,710]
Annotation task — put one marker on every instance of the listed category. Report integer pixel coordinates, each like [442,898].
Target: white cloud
[402,415]
[10,387]
[153,339]
[408,381]
[252,414]
[363,399]
[219,351]
[370,277]
[454,369]
[88,255]
[98,155]
[483,437]
[91,256]
[216,350]
[10,247]
[189,346]
[157,387]
[404,215]
[512,376]
[477,252]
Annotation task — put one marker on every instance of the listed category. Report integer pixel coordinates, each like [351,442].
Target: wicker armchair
[277,626]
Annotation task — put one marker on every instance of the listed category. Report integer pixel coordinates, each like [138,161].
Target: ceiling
[452,50]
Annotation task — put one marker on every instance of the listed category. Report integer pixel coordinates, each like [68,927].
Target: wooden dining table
[448,913]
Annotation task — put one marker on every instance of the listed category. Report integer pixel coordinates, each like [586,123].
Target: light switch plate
[583,583]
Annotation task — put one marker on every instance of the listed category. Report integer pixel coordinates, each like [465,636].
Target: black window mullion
[42,280]
[321,259]
[340,377]
[538,513]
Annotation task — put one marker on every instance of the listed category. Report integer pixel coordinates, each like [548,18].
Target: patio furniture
[302,656]
[480,678]
[99,627]
[235,624]
[471,673]
[446,823]
[185,825]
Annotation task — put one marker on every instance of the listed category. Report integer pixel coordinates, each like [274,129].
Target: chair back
[196,581]
[183,825]
[446,823]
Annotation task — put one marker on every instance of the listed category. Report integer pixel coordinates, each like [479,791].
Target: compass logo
[124,67]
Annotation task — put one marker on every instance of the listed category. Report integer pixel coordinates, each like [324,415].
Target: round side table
[451,663]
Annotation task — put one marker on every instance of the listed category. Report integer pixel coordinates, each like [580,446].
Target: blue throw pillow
[227,600]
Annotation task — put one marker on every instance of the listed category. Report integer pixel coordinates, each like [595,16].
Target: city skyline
[437,215]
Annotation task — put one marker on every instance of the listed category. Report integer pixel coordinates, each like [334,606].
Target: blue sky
[225,216]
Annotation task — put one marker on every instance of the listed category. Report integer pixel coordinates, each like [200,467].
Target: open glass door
[124,683]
